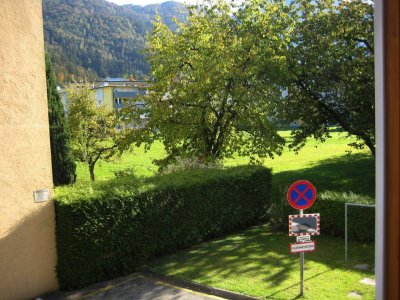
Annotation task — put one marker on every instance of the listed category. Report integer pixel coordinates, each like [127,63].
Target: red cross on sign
[301,194]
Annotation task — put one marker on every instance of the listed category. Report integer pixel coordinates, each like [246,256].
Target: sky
[146,2]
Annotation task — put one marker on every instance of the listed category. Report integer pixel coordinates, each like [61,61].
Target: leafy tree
[62,161]
[95,133]
[330,70]
[209,98]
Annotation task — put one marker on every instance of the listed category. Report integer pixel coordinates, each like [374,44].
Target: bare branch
[365,42]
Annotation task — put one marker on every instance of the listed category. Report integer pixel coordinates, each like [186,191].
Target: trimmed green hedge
[102,237]
[331,206]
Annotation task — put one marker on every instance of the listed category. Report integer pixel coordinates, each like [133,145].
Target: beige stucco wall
[27,229]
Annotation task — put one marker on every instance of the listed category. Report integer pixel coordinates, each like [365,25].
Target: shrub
[62,161]
[331,206]
[181,164]
[107,234]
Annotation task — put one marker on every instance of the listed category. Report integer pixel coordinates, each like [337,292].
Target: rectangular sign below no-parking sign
[307,224]
[303,238]
[302,247]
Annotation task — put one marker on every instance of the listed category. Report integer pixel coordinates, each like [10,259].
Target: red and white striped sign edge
[291,217]
[306,247]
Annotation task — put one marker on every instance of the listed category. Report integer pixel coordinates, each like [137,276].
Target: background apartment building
[115,93]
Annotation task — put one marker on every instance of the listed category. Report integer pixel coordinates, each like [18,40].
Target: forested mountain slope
[95,38]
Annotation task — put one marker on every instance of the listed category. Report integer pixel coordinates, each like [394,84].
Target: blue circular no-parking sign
[301,194]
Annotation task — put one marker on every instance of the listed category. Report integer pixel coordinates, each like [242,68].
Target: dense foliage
[62,161]
[330,70]
[105,235]
[232,71]
[90,39]
[209,97]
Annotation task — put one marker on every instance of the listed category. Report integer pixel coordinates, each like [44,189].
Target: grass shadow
[348,173]
[270,296]
[259,264]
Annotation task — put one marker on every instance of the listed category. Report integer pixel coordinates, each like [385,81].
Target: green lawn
[327,165]
[257,262]
[137,159]
[311,155]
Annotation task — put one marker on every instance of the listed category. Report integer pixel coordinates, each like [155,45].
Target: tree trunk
[91,171]
[370,145]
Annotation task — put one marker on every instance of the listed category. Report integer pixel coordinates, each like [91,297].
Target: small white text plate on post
[302,247]
[303,238]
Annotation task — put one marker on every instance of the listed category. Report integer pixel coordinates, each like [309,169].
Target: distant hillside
[96,38]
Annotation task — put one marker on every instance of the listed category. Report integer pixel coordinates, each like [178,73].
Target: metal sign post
[301,267]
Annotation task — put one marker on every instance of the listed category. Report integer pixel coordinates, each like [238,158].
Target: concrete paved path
[134,287]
